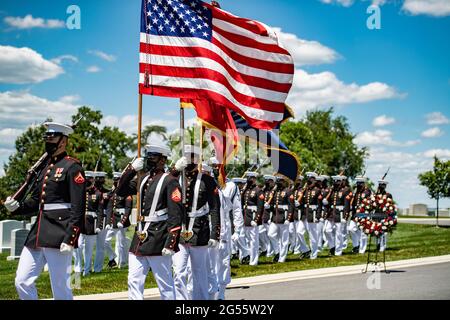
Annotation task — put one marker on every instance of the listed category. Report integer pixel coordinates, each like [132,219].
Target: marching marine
[94,208]
[359,239]
[337,214]
[382,240]
[281,218]
[269,194]
[252,209]
[202,201]
[158,229]
[311,203]
[300,246]
[118,213]
[58,199]
[101,222]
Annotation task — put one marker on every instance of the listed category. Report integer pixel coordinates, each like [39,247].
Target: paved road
[424,282]
[432,221]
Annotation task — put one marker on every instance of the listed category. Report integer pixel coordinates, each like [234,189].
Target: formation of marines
[188,227]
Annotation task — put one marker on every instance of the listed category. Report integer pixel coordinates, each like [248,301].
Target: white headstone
[18,237]
[6,226]
[33,219]
[28,226]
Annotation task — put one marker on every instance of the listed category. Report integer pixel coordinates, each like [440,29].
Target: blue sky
[399,74]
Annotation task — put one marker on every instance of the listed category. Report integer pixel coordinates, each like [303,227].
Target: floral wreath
[380,205]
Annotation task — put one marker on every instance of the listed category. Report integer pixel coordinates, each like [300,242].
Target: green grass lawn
[407,242]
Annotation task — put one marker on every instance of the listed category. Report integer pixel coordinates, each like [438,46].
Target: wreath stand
[375,261]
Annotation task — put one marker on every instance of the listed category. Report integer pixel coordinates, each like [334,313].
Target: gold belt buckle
[142,235]
[187,235]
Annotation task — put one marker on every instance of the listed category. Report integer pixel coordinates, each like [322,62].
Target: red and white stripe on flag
[190,49]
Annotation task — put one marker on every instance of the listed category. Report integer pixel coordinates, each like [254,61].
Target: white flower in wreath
[391,222]
[376,233]
[367,231]
[384,228]
[384,209]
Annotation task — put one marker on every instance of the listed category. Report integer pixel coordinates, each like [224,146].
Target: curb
[284,277]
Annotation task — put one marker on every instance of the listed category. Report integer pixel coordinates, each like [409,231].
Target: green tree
[437,182]
[324,143]
[105,149]
[30,147]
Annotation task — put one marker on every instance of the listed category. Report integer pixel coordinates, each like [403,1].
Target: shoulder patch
[261,196]
[79,179]
[176,195]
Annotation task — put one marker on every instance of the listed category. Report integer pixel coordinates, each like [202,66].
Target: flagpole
[138,195]
[183,173]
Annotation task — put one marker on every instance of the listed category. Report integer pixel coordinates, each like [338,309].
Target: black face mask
[216,172]
[50,147]
[150,165]
[359,186]
[89,183]
[191,167]
[310,182]
[382,188]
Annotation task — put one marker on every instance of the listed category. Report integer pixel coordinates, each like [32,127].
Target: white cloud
[440,153]
[432,133]
[20,109]
[436,118]
[344,3]
[93,69]
[60,59]
[382,121]
[381,137]
[103,55]
[24,65]
[436,8]
[8,136]
[312,90]
[305,52]
[28,22]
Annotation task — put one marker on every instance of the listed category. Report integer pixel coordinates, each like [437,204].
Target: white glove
[181,164]
[119,225]
[212,243]
[235,237]
[108,227]
[253,224]
[65,248]
[11,204]
[266,205]
[325,202]
[98,230]
[167,252]
[286,222]
[297,204]
[343,221]
[138,164]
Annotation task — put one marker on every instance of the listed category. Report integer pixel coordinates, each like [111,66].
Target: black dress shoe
[378,247]
[277,256]
[355,249]
[306,254]
[112,263]
[332,251]
[245,260]
[264,253]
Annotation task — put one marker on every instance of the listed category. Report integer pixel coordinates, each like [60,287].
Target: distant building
[442,212]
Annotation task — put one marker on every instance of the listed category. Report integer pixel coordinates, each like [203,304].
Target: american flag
[190,49]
